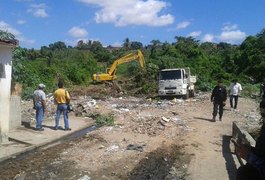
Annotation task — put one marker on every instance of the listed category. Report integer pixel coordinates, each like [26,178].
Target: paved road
[23,139]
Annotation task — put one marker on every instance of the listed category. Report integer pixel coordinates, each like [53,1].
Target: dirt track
[150,140]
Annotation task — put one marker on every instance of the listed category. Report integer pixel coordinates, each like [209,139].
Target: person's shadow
[205,119]
[52,127]
[229,160]
[28,126]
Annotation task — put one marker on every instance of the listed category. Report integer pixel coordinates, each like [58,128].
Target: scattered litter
[109,129]
[136,147]
[174,113]
[20,176]
[177,120]
[114,105]
[112,148]
[165,119]
[149,99]
[85,177]
[91,103]
[125,109]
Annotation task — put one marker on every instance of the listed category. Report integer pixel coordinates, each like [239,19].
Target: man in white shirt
[39,104]
[234,91]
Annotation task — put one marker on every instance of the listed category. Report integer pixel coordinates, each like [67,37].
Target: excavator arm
[110,73]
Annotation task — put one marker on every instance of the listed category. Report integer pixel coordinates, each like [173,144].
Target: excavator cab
[110,74]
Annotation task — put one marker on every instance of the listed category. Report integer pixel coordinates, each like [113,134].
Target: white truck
[176,82]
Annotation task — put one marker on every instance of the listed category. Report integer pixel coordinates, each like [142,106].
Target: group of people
[254,156]
[219,97]
[61,99]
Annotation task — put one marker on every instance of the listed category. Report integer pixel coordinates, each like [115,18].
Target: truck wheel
[186,96]
[192,93]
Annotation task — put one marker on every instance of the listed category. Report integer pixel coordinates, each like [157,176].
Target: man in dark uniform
[218,97]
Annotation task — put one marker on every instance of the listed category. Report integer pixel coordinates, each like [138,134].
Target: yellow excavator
[110,74]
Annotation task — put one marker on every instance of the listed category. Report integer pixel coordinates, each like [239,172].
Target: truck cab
[176,82]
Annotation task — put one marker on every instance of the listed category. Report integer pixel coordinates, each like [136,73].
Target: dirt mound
[163,163]
[97,91]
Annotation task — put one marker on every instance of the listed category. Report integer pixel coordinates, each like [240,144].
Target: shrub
[250,90]
[102,120]
[27,93]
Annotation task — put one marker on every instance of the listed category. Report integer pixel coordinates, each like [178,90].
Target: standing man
[234,91]
[62,98]
[39,104]
[218,97]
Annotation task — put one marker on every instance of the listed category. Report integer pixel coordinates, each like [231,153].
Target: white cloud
[232,36]
[26,41]
[131,12]
[117,44]
[6,27]
[208,38]
[77,32]
[38,10]
[230,33]
[183,25]
[21,22]
[229,27]
[195,33]
[18,35]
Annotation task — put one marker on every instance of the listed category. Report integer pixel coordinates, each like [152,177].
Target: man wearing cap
[218,97]
[39,104]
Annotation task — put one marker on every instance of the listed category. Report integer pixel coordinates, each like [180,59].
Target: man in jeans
[234,91]
[62,98]
[218,97]
[39,104]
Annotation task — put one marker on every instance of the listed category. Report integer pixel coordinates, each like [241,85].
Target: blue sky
[37,23]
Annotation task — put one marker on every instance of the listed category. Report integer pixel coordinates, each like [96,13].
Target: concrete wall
[15,119]
[15,112]
[5,86]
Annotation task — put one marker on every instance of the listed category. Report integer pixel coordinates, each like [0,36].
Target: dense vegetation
[209,61]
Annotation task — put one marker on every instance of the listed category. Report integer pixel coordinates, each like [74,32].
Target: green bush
[27,93]
[250,90]
[204,86]
[102,120]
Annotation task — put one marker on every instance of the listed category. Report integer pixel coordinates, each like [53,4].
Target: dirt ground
[151,139]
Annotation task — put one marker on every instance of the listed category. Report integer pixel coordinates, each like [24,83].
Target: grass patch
[102,120]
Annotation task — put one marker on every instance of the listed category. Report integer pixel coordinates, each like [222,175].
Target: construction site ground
[151,139]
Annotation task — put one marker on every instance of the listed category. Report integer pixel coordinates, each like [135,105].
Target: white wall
[5,86]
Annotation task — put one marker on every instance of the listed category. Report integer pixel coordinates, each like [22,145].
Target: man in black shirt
[218,97]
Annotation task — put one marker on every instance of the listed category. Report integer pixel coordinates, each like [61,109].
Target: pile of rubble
[137,110]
